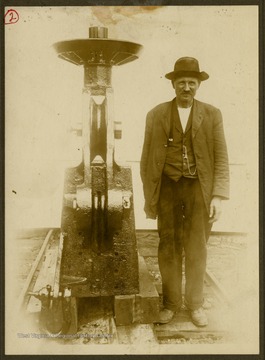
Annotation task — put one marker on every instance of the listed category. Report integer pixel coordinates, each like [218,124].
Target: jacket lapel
[165,117]
[197,118]
[176,120]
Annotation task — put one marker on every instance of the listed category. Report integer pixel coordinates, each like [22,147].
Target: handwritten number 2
[11,17]
[11,14]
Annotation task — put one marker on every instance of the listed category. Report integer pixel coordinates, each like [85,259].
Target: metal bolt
[126,202]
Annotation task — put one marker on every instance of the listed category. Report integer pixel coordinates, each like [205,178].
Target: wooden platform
[182,327]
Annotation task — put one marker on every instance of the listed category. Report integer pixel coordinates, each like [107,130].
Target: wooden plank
[147,301]
[182,324]
[46,274]
[187,335]
[140,334]
[147,243]
[56,285]
[33,269]
[146,286]
[216,287]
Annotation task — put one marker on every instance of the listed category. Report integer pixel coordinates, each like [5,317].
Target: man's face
[185,88]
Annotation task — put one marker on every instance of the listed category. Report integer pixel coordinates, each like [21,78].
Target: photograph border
[46,3]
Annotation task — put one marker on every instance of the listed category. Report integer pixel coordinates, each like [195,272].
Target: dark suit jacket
[209,149]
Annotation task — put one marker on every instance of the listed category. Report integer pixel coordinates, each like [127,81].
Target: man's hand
[215,209]
[150,216]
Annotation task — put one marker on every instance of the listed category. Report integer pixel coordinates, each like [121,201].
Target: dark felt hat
[187,66]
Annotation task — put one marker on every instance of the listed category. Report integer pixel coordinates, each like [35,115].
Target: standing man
[185,175]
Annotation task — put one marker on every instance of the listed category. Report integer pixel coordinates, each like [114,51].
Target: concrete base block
[147,301]
[124,309]
[141,308]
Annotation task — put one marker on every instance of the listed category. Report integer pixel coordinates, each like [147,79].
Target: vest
[180,159]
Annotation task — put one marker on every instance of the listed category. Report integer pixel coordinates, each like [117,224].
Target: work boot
[165,316]
[199,317]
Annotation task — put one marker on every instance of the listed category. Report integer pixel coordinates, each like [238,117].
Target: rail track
[32,276]
[45,270]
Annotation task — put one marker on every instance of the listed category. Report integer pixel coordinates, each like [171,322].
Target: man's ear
[173,82]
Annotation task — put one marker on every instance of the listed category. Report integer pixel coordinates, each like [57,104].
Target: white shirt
[184,114]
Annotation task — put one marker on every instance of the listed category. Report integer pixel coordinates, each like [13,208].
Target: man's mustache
[186,92]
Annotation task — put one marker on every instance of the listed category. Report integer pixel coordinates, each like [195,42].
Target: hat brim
[176,74]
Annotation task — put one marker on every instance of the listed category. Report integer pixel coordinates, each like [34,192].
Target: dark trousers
[183,224]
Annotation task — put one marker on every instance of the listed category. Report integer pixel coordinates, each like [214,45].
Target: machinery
[98,216]
[99,255]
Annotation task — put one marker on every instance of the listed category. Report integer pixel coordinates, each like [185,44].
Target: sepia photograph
[132,180]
